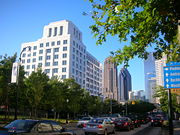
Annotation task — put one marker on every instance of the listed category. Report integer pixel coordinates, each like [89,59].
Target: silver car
[99,126]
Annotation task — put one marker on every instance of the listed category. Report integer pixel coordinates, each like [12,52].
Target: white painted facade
[60,52]
[159,64]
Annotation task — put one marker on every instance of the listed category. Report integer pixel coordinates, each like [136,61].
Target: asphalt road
[145,129]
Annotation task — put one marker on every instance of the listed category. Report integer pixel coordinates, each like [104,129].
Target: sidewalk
[176,124]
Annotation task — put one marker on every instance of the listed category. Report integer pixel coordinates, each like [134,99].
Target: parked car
[99,126]
[83,121]
[124,123]
[156,121]
[34,127]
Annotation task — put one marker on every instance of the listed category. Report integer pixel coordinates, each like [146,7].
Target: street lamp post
[67,113]
[17,82]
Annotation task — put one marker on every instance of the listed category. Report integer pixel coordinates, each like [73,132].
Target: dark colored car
[156,121]
[124,123]
[34,127]
[135,121]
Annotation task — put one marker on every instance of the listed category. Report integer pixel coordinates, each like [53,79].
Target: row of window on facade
[93,60]
[77,46]
[55,31]
[47,44]
[93,76]
[95,82]
[78,80]
[58,31]
[92,87]
[48,57]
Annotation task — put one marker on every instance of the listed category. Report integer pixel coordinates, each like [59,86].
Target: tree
[72,95]
[5,80]
[162,94]
[35,83]
[144,23]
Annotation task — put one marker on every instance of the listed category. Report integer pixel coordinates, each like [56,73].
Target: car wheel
[86,133]
[105,132]
[129,128]
[113,132]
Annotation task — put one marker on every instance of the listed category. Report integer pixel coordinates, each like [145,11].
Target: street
[145,129]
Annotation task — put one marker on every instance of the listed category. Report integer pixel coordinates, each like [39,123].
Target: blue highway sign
[172,75]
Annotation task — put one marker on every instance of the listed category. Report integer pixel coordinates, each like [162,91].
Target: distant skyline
[23,21]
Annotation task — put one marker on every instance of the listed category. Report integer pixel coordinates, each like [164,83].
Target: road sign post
[171,81]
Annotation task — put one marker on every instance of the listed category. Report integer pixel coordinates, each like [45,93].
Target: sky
[23,21]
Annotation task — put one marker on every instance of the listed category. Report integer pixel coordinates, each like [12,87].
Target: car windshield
[86,118]
[25,125]
[99,121]
[122,119]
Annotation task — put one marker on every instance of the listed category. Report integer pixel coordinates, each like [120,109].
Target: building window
[41,45]
[63,77]
[56,56]
[64,41]
[29,55]
[40,51]
[48,57]
[24,55]
[74,43]
[61,30]
[23,61]
[47,70]
[50,32]
[40,58]
[64,62]
[34,59]
[65,48]
[73,70]
[56,49]
[52,43]
[55,63]
[55,31]
[35,48]
[27,73]
[47,44]
[28,66]
[73,49]
[58,42]
[77,52]
[48,50]
[47,64]
[39,64]
[63,69]
[55,70]
[34,53]
[28,60]
[64,55]
[33,66]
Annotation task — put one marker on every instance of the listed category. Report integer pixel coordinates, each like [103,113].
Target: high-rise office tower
[93,75]
[159,64]
[61,52]
[125,84]
[110,80]
[149,74]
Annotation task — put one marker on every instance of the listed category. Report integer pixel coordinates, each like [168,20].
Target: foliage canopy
[144,23]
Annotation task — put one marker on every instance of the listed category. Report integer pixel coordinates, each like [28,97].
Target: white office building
[159,64]
[93,75]
[60,52]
